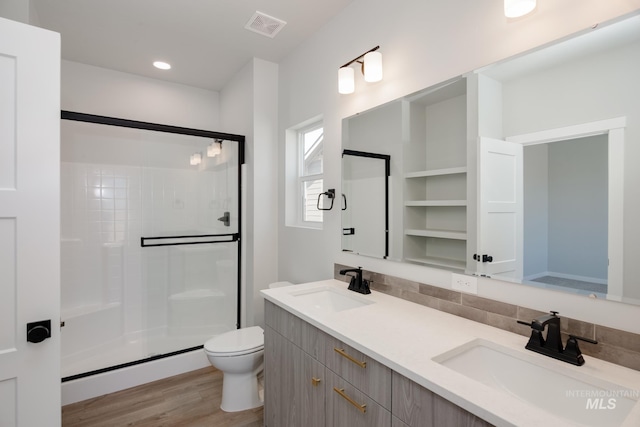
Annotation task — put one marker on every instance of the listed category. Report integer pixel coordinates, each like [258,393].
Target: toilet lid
[239,341]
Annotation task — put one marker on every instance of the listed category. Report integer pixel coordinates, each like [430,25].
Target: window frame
[296,206]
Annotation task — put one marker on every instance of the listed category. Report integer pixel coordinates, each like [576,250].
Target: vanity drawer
[283,322]
[368,375]
[306,336]
[346,406]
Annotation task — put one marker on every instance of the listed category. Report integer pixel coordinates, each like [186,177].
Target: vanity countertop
[406,337]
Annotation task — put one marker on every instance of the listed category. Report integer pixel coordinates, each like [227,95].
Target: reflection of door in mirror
[500,209]
[365,198]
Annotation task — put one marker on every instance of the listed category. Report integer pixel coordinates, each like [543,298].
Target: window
[310,180]
[304,174]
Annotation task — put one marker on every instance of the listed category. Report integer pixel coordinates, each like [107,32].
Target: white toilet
[239,355]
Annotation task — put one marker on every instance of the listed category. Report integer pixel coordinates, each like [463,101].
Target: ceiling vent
[265,24]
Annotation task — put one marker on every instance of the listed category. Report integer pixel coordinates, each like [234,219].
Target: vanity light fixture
[371,67]
[517,8]
[346,82]
[195,159]
[214,148]
[162,65]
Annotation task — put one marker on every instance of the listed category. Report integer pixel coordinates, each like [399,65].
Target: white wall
[536,210]
[265,193]
[422,43]
[95,90]
[248,107]
[18,10]
[578,206]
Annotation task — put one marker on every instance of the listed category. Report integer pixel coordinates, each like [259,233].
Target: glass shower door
[150,240]
[189,244]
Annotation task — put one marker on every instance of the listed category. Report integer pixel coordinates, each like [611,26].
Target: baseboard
[120,379]
[566,276]
[580,278]
[536,276]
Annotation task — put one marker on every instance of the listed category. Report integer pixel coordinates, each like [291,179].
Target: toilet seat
[237,342]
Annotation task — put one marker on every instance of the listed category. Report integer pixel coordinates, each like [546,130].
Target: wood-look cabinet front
[294,385]
[347,406]
[415,406]
[312,379]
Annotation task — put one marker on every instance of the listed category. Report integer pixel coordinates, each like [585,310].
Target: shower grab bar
[234,237]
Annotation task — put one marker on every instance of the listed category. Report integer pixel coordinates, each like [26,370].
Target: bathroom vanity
[337,358]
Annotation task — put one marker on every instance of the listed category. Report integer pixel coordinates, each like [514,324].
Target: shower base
[131,348]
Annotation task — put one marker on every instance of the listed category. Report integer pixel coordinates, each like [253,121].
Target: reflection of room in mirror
[577,89]
[364,203]
[565,214]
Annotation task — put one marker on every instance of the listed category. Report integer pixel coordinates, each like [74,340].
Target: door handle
[38,331]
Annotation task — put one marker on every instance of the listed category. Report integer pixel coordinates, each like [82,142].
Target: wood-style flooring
[191,400]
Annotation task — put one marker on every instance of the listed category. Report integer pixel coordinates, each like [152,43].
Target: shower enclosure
[150,240]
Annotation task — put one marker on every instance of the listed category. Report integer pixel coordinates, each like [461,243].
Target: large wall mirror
[523,170]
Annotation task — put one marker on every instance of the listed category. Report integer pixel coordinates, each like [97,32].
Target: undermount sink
[577,397]
[329,299]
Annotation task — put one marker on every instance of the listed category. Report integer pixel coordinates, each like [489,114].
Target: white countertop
[405,337]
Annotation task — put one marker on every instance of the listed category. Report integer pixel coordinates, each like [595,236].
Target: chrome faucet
[551,345]
[357,283]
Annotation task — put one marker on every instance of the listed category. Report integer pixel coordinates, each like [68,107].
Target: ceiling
[204,40]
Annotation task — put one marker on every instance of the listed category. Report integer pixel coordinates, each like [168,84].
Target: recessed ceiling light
[162,65]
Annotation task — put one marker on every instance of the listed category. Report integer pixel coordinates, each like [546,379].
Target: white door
[29,224]
[500,216]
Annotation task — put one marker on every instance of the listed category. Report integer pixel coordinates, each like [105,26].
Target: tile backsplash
[614,345]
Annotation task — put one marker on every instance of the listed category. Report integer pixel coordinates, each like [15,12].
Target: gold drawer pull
[342,353]
[362,408]
[315,381]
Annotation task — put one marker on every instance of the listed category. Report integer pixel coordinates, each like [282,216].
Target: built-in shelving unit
[441,234]
[436,203]
[436,172]
[435,179]
[440,262]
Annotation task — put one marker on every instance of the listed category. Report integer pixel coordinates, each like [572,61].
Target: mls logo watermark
[601,403]
[606,400]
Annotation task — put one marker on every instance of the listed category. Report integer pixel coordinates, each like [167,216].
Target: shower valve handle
[226,219]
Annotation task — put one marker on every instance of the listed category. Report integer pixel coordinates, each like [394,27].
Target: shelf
[440,262]
[436,172]
[436,203]
[441,234]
